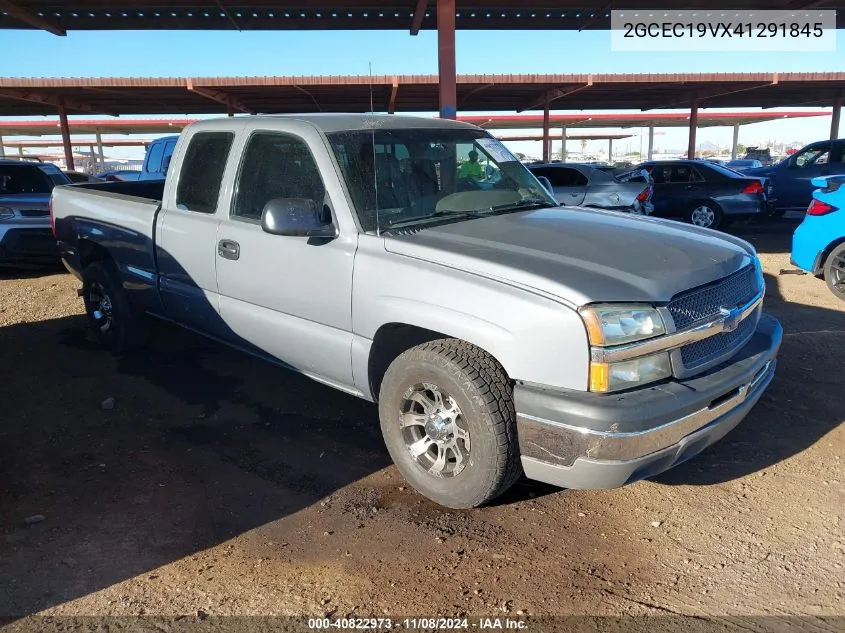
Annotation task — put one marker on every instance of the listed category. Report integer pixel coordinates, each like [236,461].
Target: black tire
[116,325]
[481,390]
[702,209]
[834,271]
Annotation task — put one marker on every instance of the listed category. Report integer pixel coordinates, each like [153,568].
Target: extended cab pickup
[499,332]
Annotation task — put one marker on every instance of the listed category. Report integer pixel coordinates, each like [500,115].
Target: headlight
[6,213]
[609,324]
[607,377]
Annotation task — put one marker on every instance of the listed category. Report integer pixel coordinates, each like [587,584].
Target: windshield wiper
[523,205]
[437,214]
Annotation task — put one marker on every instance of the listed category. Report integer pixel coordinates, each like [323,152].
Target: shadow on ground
[138,461]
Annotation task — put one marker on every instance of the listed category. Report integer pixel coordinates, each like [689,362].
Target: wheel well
[391,340]
[826,253]
[90,252]
[709,201]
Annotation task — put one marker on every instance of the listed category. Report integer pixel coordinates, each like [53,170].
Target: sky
[215,53]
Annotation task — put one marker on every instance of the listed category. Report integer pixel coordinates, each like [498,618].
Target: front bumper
[28,246]
[583,440]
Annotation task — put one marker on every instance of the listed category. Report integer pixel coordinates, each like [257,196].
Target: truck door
[289,296]
[792,182]
[569,185]
[186,235]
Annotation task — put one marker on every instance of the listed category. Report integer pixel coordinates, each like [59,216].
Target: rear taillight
[52,217]
[643,195]
[817,207]
[754,187]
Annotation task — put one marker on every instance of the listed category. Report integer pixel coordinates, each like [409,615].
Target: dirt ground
[193,480]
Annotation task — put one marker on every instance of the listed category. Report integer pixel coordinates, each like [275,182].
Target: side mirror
[547,185]
[165,165]
[295,217]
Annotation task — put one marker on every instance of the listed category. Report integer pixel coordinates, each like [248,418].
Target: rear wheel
[116,325]
[834,271]
[448,421]
[706,215]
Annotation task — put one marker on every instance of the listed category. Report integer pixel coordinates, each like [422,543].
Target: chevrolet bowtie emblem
[730,318]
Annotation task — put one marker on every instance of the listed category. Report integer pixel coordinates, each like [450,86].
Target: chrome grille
[702,352]
[705,302]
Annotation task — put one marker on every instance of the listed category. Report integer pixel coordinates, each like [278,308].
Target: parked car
[498,331]
[79,176]
[791,178]
[25,235]
[119,175]
[157,158]
[584,185]
[741,164]
[705,194]
[818,244]
[763,154]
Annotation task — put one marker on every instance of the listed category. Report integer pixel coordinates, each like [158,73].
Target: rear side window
[154,158]
[202,171]
[276,166]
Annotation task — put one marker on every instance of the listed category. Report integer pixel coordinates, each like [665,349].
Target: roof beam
[419,15]
[27,17]
[219,97]
[718,93]
[472,92]
[548,96]
[228,15]
[51,99]
[394,90]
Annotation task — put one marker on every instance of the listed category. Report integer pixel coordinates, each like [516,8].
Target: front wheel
[834,271]
[448,420]
[706,215]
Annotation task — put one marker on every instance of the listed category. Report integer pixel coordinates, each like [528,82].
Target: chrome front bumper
[591,441]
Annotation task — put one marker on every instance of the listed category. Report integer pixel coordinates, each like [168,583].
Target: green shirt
[470,170]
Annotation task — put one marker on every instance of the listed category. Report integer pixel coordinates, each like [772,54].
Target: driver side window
[275,166]
[818,155]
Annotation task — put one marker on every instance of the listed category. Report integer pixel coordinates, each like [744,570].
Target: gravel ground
[192,480]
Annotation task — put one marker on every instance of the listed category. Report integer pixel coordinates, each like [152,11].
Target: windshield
[419,176]
[27,179]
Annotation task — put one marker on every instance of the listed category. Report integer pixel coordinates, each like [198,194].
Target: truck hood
[581,256]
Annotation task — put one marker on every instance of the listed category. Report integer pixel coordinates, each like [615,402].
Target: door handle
[574,194]
[228,249]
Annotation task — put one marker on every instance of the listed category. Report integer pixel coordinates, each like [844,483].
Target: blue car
[818,244]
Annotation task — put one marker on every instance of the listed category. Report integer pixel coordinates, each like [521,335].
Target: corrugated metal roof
[414,93]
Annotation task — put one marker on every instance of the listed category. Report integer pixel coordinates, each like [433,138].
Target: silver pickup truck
[499,332]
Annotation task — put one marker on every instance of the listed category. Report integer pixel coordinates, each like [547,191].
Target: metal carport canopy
[61,16]
[415,93]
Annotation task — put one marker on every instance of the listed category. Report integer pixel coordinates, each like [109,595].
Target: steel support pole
[547,141]
[100,155]
[446,59]
[20,151]
[610,151]
[693,128]
[563,144]
[651,142]
[836,117]
[2,149]
[735,141]
[66,138]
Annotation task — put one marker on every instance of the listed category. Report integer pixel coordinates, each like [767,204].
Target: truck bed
[119,216]
[149,189]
